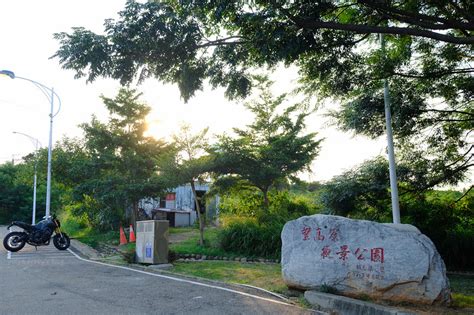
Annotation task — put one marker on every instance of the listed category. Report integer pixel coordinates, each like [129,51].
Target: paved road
[48,281]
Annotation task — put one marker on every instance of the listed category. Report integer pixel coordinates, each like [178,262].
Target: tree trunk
[198,210]
[266,202]
[133,219]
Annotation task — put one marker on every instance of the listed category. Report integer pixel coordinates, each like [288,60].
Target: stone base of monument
[347,306]
[392,262]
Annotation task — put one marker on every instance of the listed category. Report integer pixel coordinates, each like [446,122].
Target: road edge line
[9,253]
[261,289]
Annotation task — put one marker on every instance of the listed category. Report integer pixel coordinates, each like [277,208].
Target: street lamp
[50,95]
[35,142]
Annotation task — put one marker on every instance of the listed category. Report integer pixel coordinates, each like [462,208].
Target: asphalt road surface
[48,281]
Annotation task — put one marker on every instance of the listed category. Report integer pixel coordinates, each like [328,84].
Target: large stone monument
[393,262]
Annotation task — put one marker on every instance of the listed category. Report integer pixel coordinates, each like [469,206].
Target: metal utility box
[152,241]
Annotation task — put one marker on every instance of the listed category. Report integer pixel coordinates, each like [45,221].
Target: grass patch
[462,287]
[264,276]
[179,230]
[129,247]
[115,260]
[79,229]
[463,301]
[462,284]
[210,248]
[89,235]
[260,275]
[94,238]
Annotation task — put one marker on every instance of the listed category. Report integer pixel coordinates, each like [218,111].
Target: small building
[178,206]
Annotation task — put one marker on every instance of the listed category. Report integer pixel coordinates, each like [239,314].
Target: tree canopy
[116,163]
[273,148]
[187,163]
[188,41]
[335,44]
[15,194]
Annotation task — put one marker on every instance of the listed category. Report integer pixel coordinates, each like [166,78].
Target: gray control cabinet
[152,242]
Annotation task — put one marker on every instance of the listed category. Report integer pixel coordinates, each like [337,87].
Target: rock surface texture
[392,262]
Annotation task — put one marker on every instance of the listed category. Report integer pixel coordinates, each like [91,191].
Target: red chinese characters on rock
[343,253]
[306,230]
[359,253]
[325,252]
[319,236]
[334,234]
[377,255]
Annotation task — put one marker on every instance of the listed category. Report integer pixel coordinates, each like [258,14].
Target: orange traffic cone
[123,239]
[132,234]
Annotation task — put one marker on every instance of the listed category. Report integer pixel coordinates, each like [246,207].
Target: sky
[26,45]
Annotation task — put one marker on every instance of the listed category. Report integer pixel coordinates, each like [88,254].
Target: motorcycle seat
[24,225]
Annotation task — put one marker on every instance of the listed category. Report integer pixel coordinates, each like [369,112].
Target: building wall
[182,219]
[184,200]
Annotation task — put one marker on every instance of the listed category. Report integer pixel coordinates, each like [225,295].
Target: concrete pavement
[49,281]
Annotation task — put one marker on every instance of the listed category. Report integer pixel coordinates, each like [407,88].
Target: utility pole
[50,95]
[390,148]
[35,143]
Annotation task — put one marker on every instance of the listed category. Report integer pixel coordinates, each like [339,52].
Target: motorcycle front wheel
[14,241]
[61,241]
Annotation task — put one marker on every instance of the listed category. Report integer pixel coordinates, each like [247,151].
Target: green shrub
[283,206]
[229,219]
[245,202]
[447,223]
[457,249]
[74,225]
[251,230]
[252,239]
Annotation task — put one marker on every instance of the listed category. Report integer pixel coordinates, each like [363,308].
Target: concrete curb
[84,250]
[336,304]
[161,266]
[201,257]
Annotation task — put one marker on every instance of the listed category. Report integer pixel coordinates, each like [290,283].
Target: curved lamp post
[35,143]
[50,95]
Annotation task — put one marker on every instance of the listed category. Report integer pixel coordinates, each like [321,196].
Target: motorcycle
[36,235]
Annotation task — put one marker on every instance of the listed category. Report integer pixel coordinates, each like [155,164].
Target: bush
[243,202]
[284,206]
[251,239]
[457,249]
[72,224]
[227,220]
[447,223]
[251,230]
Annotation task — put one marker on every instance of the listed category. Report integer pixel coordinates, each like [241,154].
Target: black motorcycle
[36,235]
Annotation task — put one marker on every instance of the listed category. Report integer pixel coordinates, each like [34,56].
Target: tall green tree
[190,164]
[272,149]
[428,61]
[15,194]
[119,165]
